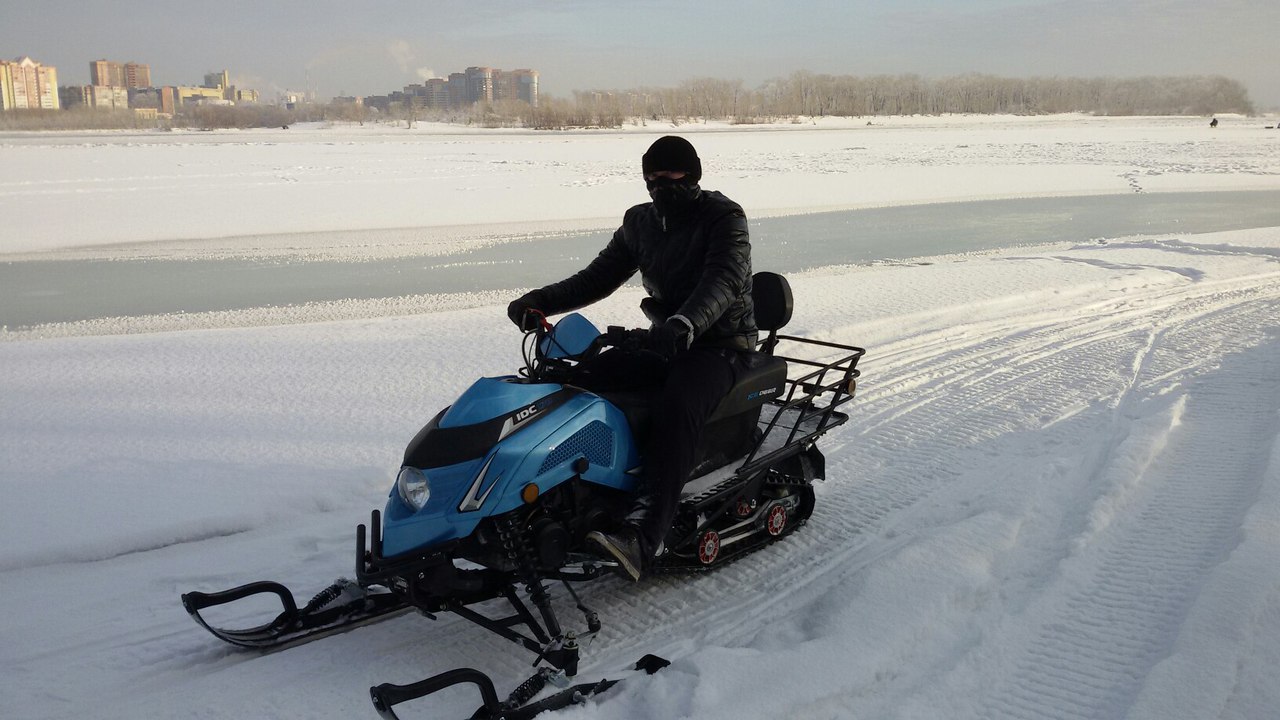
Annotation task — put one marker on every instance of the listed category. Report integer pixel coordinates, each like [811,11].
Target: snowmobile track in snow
[1193,497]
[933,409]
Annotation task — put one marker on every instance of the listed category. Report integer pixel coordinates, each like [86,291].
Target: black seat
[765,374]
[771,295]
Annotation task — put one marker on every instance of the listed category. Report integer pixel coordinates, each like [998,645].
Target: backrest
[771,294]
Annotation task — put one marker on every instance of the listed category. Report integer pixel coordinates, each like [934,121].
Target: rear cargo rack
[791,423]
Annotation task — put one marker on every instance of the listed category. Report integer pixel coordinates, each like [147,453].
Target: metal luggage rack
[808,408]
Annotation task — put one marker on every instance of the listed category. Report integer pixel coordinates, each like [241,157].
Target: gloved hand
[519,309]
[671,337]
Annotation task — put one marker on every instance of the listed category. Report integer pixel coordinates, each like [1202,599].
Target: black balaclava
[671,153]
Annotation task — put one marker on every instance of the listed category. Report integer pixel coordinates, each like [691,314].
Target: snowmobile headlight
[413,487]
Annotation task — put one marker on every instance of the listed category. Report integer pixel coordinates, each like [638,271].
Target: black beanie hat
[672,153]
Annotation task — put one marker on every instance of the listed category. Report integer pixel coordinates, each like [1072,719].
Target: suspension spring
[515,544]
[325,596]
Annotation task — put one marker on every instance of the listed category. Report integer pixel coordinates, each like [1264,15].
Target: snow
[1058,494]
[273,191]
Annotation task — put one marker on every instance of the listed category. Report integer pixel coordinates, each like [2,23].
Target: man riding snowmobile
[693,252]
[585,451]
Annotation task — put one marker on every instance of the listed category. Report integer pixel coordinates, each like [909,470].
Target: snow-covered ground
[276,191]
[1058,495]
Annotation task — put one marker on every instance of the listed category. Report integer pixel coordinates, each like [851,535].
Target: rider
[694,256]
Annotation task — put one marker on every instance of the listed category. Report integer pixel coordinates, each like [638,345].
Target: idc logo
[519,420]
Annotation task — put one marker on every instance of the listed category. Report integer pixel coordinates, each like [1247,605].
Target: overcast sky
[372,47]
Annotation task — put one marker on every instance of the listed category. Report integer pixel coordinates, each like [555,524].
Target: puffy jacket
[697,265]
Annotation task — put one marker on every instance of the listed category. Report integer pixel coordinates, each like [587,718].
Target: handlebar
[541,364]
[634,339]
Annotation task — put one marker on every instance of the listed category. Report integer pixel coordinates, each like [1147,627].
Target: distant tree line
[806,94]
[802,94]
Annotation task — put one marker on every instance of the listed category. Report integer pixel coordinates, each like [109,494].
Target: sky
[373,47]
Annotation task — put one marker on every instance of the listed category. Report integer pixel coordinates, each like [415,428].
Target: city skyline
[333,49]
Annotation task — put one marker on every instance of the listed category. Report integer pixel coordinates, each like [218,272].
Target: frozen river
[34,292]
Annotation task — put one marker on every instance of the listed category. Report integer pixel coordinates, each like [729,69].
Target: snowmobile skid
[496,495]
[340,606]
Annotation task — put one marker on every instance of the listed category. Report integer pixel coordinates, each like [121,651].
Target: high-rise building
[479,84]
[27,85]
[437,93]
[106,73]
[219,80]
[432,93]
[137,75]
[7,99]
[526,85]
[502,87]
[516,85]
[457,85]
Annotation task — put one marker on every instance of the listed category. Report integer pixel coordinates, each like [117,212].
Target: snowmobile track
[1146,568]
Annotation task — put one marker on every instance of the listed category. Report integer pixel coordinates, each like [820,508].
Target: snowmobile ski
[517,706]
[340,606]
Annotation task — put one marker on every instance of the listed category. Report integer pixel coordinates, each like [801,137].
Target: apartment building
[479,84]
[107,97]
[516,85]
[107,73]
[27,85]
[137,75]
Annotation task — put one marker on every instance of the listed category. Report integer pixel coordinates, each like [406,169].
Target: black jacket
[697,264]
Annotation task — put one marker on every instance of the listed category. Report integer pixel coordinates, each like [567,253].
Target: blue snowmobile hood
[503,434]
[489,398]
[488,412]
[477,470]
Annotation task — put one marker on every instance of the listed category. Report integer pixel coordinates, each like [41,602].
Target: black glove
[519,310]
[670,338]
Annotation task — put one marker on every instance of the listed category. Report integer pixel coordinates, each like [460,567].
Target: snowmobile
[499,490]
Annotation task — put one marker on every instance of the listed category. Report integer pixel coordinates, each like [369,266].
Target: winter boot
[624,546]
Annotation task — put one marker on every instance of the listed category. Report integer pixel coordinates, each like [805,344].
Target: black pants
[688,388]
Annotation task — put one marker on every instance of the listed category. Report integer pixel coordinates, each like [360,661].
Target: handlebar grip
[532,319]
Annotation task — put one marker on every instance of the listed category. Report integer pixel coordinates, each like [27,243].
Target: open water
[43,291]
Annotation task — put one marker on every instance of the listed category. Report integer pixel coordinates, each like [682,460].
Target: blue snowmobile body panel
[541,452]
